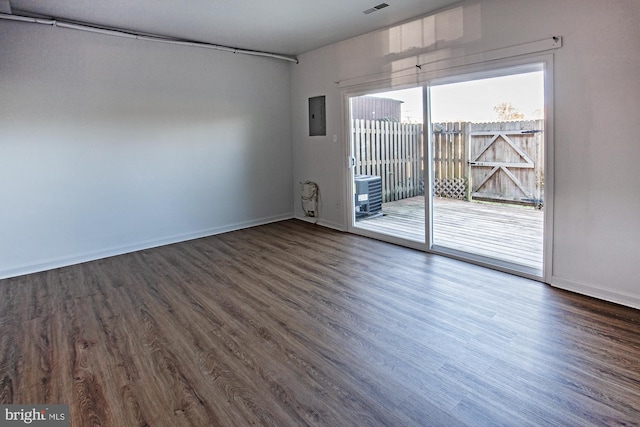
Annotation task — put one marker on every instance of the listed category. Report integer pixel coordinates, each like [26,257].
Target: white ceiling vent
[375,8]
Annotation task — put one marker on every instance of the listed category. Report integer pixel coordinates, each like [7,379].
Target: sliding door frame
[424,79]
[506,67]
[348,199]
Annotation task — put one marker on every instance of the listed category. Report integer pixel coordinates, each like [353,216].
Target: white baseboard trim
[321,222]
[594,291]
[68,260]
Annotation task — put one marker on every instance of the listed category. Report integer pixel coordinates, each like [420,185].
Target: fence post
[467,158]
[386,184]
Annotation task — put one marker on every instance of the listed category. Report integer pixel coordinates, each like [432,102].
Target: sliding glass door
[487,144]
[387,151]
[455,166]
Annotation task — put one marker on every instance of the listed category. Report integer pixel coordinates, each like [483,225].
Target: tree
[506,111]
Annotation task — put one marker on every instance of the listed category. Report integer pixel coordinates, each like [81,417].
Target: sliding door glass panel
[388,155]
[487,144]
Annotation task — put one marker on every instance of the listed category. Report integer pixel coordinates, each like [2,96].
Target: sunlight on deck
[505,232]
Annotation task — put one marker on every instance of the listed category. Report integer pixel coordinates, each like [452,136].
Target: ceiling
[287,27]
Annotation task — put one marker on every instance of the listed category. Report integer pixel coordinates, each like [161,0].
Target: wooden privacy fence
[506,161]
[498,161]
[392,151]
[501,161]
[450,160]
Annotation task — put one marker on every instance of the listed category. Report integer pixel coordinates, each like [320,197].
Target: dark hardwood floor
[291,324]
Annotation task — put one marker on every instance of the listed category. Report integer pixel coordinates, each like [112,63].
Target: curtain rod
[83,26]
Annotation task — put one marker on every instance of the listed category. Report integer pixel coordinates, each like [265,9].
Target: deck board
[505,232]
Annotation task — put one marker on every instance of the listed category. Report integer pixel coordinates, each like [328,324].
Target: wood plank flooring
[291,324]
[505,232]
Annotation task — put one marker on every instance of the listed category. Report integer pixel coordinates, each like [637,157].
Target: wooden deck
[505,232]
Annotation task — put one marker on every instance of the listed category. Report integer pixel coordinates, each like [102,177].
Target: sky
[474,100]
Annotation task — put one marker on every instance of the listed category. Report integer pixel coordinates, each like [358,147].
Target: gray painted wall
[596,242]
[108,145]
